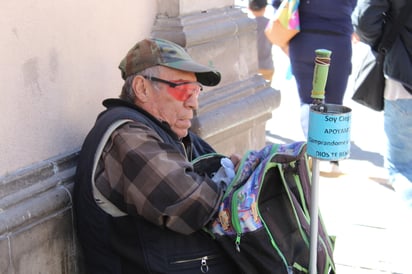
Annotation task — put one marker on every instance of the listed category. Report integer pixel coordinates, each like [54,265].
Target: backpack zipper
[232,190]
[235,220]
[234,202]
[206,156]
[237,227]
[235,214]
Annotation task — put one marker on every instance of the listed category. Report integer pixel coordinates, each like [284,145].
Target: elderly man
[139,205]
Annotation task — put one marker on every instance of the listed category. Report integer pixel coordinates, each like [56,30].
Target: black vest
[126,245]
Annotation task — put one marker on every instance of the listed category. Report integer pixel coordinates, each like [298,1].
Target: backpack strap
[116,114]
[102,201]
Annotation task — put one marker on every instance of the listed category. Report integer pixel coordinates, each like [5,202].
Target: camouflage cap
[152,52]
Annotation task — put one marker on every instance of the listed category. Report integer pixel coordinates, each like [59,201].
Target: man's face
[173,105]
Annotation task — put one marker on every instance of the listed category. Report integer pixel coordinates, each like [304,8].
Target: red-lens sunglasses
[180,90]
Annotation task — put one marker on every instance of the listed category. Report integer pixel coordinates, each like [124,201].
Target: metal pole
[314,209]
[320,75]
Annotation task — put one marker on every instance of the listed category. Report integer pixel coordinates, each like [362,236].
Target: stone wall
[36,219]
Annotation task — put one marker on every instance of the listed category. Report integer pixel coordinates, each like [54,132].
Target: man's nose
[192,102]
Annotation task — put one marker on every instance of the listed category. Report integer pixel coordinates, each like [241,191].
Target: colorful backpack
[264,219]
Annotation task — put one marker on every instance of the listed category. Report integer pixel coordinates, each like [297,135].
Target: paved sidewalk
[368,220]
[373,227]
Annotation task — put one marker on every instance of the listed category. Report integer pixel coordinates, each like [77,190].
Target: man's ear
[140,88]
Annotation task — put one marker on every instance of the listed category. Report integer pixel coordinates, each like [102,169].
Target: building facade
[59,61]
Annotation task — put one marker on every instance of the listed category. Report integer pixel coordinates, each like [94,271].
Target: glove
[226,172]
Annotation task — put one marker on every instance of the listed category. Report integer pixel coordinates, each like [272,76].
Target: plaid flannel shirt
[144,176]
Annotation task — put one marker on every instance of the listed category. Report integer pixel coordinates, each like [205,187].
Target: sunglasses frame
[171,84]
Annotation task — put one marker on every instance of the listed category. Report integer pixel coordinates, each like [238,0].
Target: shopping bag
[285,24]
[369,82]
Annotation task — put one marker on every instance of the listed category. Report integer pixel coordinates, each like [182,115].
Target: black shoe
[335,167]
[335,162]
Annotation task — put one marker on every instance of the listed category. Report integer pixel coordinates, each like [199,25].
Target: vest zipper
[203,262]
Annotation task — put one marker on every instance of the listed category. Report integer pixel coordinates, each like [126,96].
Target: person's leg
[302,57]
[339,70]
[398,157]
[302,65]
[302,54]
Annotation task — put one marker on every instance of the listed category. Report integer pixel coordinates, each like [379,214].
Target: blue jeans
[398,158]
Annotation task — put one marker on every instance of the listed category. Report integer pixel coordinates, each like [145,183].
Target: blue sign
[329,132]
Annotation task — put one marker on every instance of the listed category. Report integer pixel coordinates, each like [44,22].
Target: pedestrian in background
[264,46]
[324,24]
[368,20]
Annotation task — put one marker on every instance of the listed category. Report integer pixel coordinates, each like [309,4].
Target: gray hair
[127,92]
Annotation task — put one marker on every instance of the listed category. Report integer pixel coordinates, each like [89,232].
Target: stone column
[233,115]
